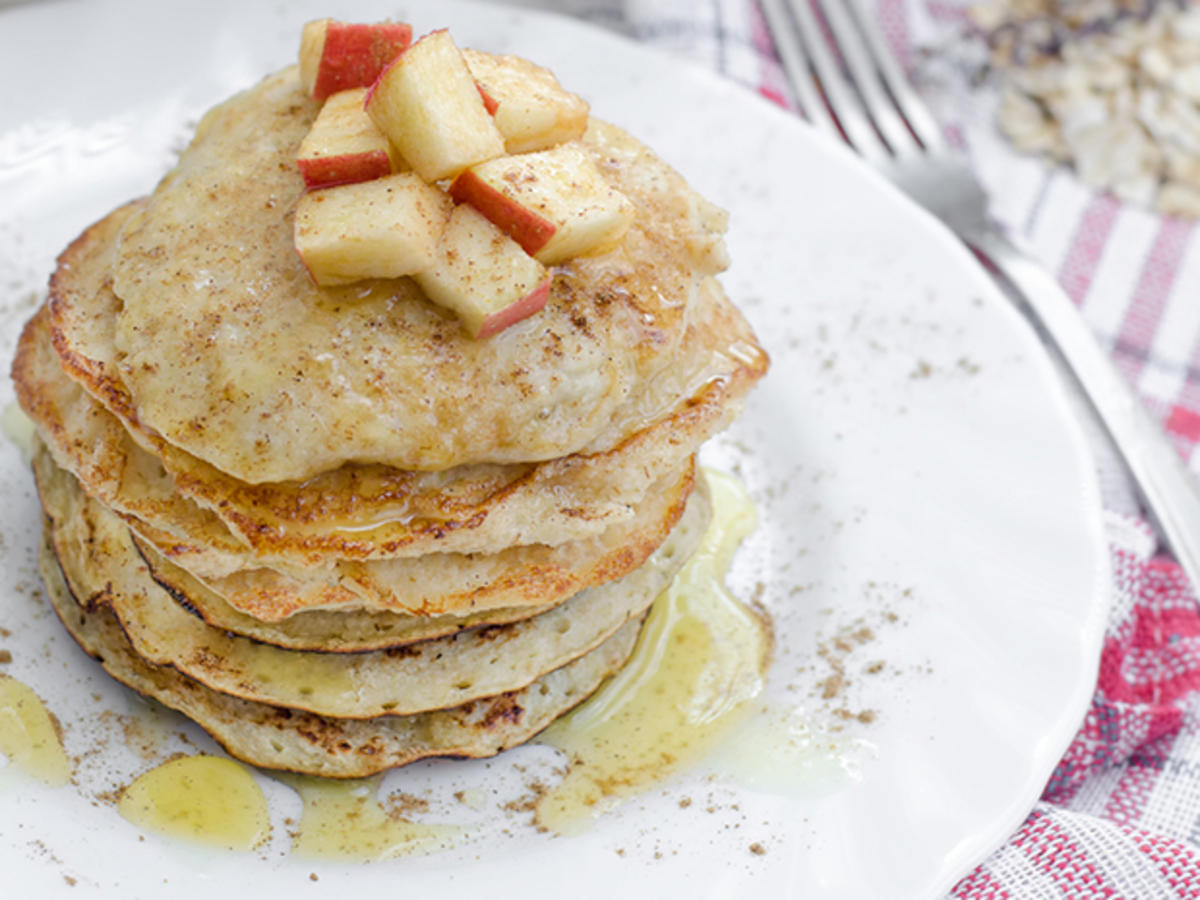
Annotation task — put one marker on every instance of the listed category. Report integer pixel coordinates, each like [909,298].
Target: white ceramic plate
[915,466]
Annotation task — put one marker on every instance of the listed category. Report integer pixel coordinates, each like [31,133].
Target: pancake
[285,739]
[103,568]
[371,512]
[353,631]
[533,575]
[79,523]
[88,441]
[236,357]
[432,585]
[366,629]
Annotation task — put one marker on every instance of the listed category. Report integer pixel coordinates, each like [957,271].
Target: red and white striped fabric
[1120,816]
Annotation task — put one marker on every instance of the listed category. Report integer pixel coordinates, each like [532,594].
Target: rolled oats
[1110,87]
[1176,198]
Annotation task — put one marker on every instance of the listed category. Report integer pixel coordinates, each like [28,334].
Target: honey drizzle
[28,736]
[204,799]
[344,820]
[699,661]
[18,428]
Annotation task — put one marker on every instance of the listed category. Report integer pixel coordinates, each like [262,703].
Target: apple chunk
[555,203]
[483,275]
[489,102]
[375,229]
[344,146]
[533,111]
[429,106]
[336,56]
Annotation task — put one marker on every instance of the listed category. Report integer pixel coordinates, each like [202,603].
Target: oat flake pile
[1110,87]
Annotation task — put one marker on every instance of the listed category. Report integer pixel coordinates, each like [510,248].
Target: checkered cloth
[1120,816]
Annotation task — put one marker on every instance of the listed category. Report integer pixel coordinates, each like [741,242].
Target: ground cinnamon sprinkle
[835,652]
[400,805]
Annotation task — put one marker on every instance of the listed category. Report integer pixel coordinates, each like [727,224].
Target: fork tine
[795,63]
[842,101]
[911,106]
[857,56]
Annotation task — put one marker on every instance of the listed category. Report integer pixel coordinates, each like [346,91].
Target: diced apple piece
[556,204]
[375,229]
[483,275]
[344,146]
[533,111]
[429,106]
[489,102]
[525,226]
[336,56]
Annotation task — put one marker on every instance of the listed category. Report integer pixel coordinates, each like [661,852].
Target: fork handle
[1167,487]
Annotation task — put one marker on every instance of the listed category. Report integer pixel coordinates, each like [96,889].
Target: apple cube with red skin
[483,275]
[489,102]
[337,56]
[555,203]
[430,108]
[383,228]
[344,146]
[533,111]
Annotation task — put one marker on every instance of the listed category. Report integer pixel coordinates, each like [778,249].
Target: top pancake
[231,353]
[354,512]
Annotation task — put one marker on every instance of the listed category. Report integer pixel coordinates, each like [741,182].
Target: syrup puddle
[28,736]
[18,428]
[791,751]
[345,820]
[699,662]
[204,799]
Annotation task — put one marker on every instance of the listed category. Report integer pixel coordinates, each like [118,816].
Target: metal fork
[855,91]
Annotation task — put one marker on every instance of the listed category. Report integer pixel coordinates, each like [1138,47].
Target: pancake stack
[325,523]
